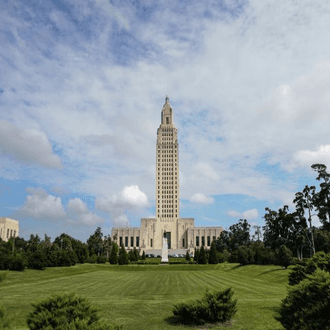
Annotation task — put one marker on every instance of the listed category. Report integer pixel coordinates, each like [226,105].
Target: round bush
[307,305]
[214,307]
[61,310]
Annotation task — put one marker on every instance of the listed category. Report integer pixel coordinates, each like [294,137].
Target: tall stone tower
[167,168]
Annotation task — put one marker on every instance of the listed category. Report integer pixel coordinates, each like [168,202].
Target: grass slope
[142,297]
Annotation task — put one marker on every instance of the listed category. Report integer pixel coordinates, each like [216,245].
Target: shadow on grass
[272,270]
[174,321]
[233,268]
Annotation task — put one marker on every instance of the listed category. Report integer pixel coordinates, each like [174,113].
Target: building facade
[181,233]
[8,228]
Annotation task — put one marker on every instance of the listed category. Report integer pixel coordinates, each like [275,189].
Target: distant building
[181,233]
[8,228]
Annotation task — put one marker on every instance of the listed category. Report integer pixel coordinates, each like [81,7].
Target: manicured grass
[142,296]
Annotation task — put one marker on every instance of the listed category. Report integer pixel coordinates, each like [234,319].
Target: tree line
[285,235]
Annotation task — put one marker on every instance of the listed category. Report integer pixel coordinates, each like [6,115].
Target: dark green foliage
[297,274]
[133,255]
[196,255]
[5,321]
[202,256]
[92,259]
[307,305]
[101,259]
[188,256]
[213,256]
[224,256]
[95,242]
[113,259]
[319,260]
[284,256]
[244,255]
[213,307]
[16,262]
[123,256]
[37,260]
[61,312]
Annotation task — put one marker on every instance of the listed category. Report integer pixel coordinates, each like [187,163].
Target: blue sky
[82,85]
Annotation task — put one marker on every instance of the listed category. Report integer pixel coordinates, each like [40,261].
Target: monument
[180,234]
[165,249]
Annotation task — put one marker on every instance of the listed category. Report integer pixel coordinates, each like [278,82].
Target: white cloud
[234,214]
[201,199]
[248,214]
[80,215]
[39,205]
[130,198]
[28,146]
[309,157]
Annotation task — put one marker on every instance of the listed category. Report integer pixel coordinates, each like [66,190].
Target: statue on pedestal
[165,249]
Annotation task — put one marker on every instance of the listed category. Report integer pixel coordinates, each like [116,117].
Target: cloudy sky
[83,82]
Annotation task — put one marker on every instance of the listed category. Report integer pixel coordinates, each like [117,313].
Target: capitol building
[181,233]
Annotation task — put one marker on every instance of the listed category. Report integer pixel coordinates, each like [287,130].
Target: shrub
[214,307]
[143,256]
[307,304]
[284,256]
[101,259]
[37,260]
[16,262]
[92,259]
[300,272]
[65,312]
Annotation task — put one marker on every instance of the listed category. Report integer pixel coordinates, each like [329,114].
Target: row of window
[137,241]
[10,233]
[203,240]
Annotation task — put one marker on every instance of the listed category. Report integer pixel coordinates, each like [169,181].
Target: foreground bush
[65,312]
[214,307]
[319,260]
[307,305]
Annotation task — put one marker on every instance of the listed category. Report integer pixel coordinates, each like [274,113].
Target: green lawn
[142,296]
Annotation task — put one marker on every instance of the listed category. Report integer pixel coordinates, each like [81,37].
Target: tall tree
[95,242]
[213,256]
[322,198]
[240,234]
[304,201]
[282,228]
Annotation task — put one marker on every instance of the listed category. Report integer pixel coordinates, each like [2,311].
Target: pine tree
[143,256]
[113,259]
[202,256]
[188,256]
[123,256]
[213,257]
[196,255]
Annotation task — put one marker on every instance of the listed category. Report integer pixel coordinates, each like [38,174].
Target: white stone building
[181,233]
[8,228]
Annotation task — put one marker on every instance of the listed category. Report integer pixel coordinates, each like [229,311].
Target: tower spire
[167,99]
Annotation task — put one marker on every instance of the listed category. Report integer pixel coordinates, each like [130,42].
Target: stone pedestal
[164,251]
